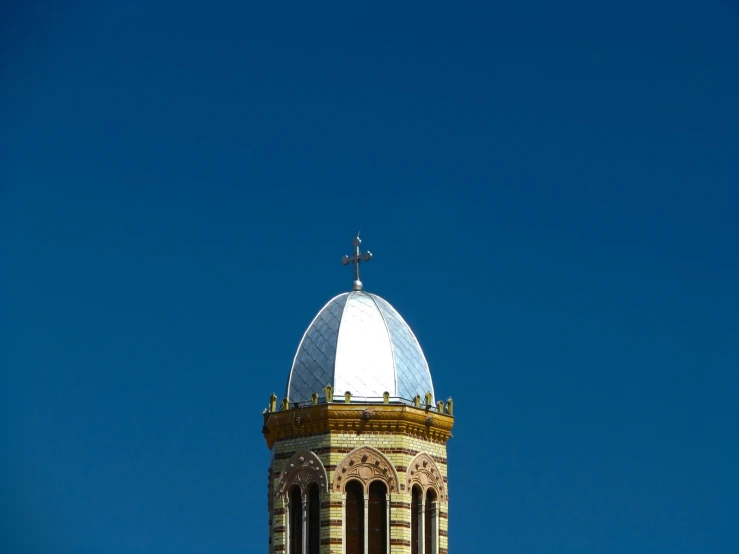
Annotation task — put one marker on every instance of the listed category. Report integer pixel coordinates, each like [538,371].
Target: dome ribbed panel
[412,369]
[359,343]
[314,363]
[364,356]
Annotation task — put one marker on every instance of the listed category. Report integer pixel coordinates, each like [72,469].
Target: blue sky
[550,192]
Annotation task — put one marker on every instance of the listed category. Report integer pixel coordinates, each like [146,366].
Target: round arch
[365,464]
[302,469]
[424,472]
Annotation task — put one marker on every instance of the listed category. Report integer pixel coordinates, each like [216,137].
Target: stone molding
[423,471]
[357,418]
[365,464]
[302,469]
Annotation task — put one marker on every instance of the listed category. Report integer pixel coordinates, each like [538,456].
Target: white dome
[359,343]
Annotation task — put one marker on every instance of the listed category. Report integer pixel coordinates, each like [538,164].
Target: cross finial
[355,259]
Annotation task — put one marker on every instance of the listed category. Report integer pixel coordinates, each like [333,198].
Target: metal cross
[355,259]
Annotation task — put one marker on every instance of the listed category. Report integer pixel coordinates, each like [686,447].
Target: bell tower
[358,442]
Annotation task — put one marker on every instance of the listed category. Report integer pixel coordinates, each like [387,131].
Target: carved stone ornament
[424,471]
[365,464]
[302,469]
[298,423]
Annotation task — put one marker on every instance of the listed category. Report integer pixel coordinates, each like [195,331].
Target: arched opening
[416,496]
[295,521]
[354,518]
[314,520]
[377,518]
[430,523]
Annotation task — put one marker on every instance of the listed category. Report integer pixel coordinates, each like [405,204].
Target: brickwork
[399,449]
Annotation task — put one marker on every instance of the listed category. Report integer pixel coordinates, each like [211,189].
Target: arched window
[367,478]
[416,532]
[377,518]
[354,518]
[295,522]
[314,520]
[431,523]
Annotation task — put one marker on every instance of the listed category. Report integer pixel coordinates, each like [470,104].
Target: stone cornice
[357,418]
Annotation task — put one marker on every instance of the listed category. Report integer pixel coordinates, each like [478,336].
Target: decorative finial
[355,259]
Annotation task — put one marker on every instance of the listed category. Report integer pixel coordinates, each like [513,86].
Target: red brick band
[396,523]
[331,523]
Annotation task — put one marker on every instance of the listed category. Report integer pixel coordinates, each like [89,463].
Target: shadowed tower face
[358,441]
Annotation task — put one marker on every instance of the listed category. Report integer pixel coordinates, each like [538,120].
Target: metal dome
[359,343]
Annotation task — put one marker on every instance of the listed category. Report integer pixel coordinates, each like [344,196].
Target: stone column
[434,527]
[422,525]
[387,523]
[304,522]
[343,522]
[365,511]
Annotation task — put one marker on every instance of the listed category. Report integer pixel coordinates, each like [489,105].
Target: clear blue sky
[551,193]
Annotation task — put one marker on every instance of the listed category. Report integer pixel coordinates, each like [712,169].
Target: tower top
[359,343]
[355,259]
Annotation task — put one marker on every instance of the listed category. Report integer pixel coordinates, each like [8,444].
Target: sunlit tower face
[358,442]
